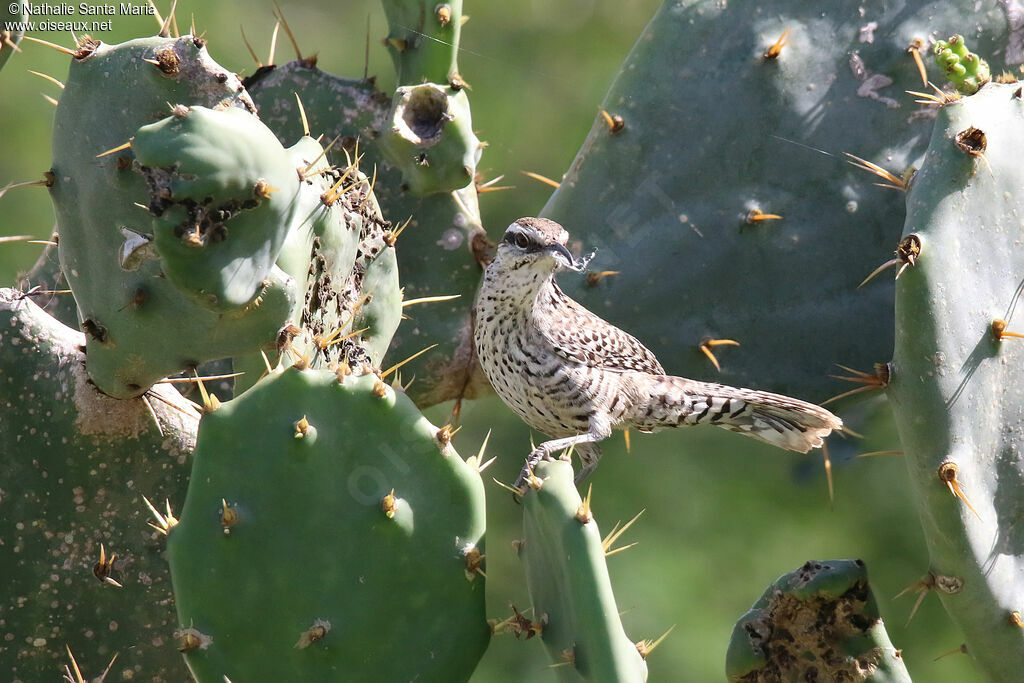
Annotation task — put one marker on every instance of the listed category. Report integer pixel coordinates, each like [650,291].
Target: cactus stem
[164,522]
[775,49]
[894,181]
[915,51]
[126,145]
[878,380]
[615,123]
[273,43]
[706,345]
[543,179]
[47,43]
[755,216]
[248,46]
[609,540]
[646,647]
[48,78]
[400,364]
[948,474]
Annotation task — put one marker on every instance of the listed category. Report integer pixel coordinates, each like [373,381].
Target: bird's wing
[580,336]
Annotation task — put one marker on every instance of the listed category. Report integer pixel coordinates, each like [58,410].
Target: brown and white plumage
[575,377]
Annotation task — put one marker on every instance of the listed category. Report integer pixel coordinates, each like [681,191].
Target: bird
[575,377]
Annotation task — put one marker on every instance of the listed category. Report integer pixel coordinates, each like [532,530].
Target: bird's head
[539,245]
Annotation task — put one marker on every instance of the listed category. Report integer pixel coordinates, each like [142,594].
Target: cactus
[352,563]
[966,70]
[77,465]
[820,622]
[424,152]
[954,387]
[136,321]
[11,36]
[569,585]
[679,200]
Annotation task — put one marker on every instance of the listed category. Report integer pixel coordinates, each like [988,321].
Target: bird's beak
[565,257]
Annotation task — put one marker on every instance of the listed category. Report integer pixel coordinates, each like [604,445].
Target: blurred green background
[724,517]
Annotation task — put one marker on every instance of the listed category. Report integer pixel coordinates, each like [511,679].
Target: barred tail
[779,420]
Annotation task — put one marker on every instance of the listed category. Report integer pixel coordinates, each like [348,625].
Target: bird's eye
[521,240]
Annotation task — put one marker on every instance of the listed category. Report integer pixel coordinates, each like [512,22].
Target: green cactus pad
[955,388]
[76,466]
[223,191]
[569,585]
[966,70]
[139,326]
[820,622]
[670,201]
[423,39]
[10,37]
[345,551]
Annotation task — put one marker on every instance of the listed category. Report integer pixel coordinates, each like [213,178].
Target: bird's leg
[590,454]
[599,430]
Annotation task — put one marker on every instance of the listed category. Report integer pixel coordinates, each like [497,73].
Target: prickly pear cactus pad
[10,37]
[139,325]
[332,538]
[421,144]
[820,623]
[720,198]
[569,585]
[77,464]
[223,192]
[956,386]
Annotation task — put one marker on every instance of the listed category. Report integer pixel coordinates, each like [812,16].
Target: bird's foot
[527,479]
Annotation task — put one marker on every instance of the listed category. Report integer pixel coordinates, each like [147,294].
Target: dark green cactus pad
[956,389]
[440,251]
[76,466]
[713,131]
[821,623]
[139,326]
[355,563]
[223,192]
[569,585]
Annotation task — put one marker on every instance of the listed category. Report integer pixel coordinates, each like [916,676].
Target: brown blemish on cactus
[443,13]
[301,427]
[870,381]
[646,647]
[907,253]
[190,639]
[228,516]
[421,114]
[263,189]
[948,472]
[380,390]
[166,60]
[101,570]
[518,625]
[474,562]
[85,48]
[389,505]
[775,49]
[314,633]
[95,330]
[972,141]
[950,585]
[999,331]
[1015,619]
[615,123]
